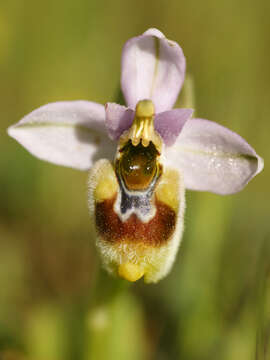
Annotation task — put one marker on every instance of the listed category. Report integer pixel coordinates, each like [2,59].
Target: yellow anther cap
[145,108]
[142,128]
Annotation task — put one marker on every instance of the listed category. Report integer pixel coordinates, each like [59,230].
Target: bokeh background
[55,302]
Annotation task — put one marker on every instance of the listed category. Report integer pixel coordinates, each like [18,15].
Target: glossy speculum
[138,165]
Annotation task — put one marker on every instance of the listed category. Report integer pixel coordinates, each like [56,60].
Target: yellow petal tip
[130,272]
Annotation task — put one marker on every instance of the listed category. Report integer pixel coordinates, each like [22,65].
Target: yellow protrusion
[167,190]
[107,183]
[130,272]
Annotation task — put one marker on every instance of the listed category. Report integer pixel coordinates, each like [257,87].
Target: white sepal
[69,133]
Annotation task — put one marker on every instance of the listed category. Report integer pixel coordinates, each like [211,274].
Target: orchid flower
[141,158]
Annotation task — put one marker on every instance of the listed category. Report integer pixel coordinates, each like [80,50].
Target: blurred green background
[55,302]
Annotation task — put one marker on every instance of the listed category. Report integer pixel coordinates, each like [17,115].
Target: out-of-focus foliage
[55,303]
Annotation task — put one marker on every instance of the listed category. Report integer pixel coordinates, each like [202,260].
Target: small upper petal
[213,158]
[153,67]
[170,123]
[118,119]
[69,133]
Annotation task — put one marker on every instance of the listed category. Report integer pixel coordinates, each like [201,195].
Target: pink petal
[213,158]
[118,119]
[170,123]
[70,133]
[153,67]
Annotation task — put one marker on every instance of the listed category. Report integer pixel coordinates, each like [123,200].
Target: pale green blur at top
[55,302]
